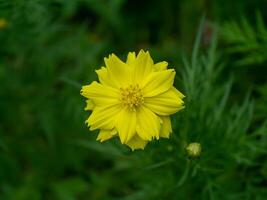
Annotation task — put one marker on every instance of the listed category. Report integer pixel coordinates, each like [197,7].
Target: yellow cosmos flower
[132,100]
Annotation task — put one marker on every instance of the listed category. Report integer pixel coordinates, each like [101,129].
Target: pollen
[131,97]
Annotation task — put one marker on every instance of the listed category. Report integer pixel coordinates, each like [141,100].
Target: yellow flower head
[132,100]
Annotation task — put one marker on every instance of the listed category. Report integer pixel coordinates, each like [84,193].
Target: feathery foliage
[249,42]
[48,49]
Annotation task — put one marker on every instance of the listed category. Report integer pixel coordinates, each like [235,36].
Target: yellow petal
[166,103]
[160,66]
[105,134]
[148,124]
[118,71]
[136,143]
[131,58]
[103,77]
[100,94]
[103,117]
[158,82]
[126,125]
[166,127]
[179,93]
[89,105]
[143,66]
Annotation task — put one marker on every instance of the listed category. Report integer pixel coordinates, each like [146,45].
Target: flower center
[131,97]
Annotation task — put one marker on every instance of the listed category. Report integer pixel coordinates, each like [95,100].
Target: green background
[50,48]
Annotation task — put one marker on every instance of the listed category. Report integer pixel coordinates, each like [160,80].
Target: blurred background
[50,48]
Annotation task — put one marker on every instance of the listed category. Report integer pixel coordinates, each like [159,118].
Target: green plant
[248,42]
[50,48]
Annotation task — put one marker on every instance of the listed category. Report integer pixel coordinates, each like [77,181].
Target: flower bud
[3,23]
[193,150]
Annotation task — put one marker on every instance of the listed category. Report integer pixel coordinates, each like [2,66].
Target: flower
[132,100]
[193,150]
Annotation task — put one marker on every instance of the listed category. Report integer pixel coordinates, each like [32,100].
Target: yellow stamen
[131,97]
